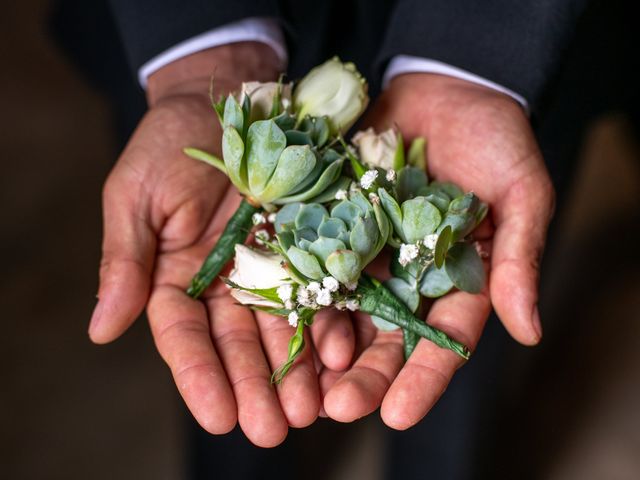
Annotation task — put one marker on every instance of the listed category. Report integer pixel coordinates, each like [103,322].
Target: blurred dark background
[72,410]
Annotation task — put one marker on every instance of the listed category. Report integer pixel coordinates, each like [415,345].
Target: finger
[237,340]
[333,338]
[181,332]
[521,220]
[361,389]
[429,369]
[128,250]
[299,393]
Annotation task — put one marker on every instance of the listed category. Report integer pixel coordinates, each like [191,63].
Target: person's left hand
[481,140]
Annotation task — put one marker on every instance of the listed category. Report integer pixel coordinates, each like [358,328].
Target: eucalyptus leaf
[464,268]
[419,218]
[442,245]
[410,181]
[435,282]
[296,137]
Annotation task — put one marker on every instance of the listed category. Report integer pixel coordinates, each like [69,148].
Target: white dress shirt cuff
[263,30]
[408,64]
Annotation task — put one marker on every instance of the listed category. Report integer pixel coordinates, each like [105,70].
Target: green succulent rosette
[340,241]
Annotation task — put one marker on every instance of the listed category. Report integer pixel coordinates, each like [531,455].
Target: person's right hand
[162,213]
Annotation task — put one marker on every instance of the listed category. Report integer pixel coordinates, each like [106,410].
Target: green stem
[236,231]
[376,299]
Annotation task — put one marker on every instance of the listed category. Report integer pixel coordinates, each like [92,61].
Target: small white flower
[330,284]
[430,241]
[258,218]
[352,304]
[352,286]
[271,218]
[288,304]
[256,269]
[314,287]
[368,178]
[324,297]
[341,194]
[262,236]
[293,318]
[285,291]
[304,298]
[408,252]
[341,305]
[391,175]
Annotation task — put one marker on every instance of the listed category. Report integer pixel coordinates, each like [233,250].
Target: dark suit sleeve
[515,43]
[149,27]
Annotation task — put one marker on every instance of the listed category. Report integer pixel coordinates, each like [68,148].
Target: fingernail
[95,318]
[537,325]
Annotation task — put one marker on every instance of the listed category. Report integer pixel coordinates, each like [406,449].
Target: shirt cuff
[263,30]
[408,64]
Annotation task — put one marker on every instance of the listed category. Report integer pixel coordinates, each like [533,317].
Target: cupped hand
[162,214]
[481,140]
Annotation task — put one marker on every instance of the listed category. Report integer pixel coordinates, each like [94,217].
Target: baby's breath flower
[408,252]
[352,304]
[262,236]
[293,318]
[341,194]
[367,179]
[285,291]
[324,297]
[304,297]
[288,304]
[391,175]
[258,218]
[330,284]
[314,287]
[430,241]
[271,218]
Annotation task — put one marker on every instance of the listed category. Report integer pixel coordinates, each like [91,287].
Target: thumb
[128,251]
[521,218]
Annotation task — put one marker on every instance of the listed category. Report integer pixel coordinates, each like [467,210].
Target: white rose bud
[377,150]
[333,89]
[262,96]
[256,269]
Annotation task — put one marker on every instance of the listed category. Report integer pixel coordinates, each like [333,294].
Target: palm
[167,210]
[480,140]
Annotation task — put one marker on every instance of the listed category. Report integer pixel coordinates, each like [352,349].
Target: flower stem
[236,231]
[376,299]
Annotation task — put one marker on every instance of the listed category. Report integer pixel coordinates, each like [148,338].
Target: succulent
[339,242]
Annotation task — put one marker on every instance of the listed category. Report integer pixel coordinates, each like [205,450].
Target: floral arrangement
[321,210]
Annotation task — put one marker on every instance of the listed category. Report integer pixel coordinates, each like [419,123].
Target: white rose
[377,150]
[262,96]
[335,90]
[256,269]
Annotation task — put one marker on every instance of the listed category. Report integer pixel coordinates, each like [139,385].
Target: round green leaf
[435,282]
[323,247]
[332,228]
[410,181]
[464,268]
[348,212]
[364,237]
[419,218]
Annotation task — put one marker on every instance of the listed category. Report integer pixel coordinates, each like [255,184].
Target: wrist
[230,65]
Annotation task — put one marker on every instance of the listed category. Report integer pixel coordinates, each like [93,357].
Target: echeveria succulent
[340,241]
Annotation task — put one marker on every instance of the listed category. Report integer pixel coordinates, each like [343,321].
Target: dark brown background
[73,410]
